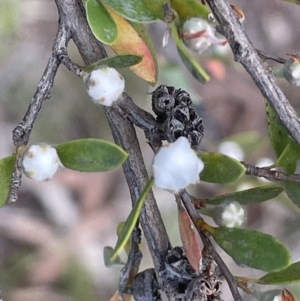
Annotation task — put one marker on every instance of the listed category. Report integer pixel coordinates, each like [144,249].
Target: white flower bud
[198,35]
[231,215]
[104,85]
[40,162]
[176,166]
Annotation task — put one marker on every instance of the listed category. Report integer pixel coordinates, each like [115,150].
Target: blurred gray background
[51,240]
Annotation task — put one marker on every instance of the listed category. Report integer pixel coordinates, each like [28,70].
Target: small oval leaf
[189,238]
[289,156]
[156,7]
[133,38]
[191,64]
[252,248]
[292,190]
[278,134]
[117,62]
[101,23]
[7,166]
[132,10]
[219,168]
[288,275]
[90,155]
[131,221]
[285,148]
[247,197]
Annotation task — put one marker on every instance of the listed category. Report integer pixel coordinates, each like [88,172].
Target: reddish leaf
[189,238]
[134,40]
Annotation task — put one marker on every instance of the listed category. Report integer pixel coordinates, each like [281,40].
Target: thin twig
[63,57]
[15,182]
[245,53]
[271,175]
[22,131]
[142,119]
[267,56]
[91,50]
[210,248]
[136,115]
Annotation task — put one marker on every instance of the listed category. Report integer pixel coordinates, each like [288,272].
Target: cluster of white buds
[104,85]
[198,35]
[231,215]
[176,166]
[40,162]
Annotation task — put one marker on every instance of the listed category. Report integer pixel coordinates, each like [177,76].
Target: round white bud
[231,215]
[196,33]
[40,162]
[176,166]
[104,85]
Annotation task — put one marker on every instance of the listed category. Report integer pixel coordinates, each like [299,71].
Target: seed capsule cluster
[173,109]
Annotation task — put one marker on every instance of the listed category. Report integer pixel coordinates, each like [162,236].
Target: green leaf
[284,146]
[292,189]
[90,155]
[288,275]
[289,156]
[144,35]
[131,221]
[117,62]
[101,23]
[252,248]
[219,168]
[278,134]
[107,253]
[7,166]
[156,7]
[133,10]
[191,64]
[190,8]
[127,246]
[247,197]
